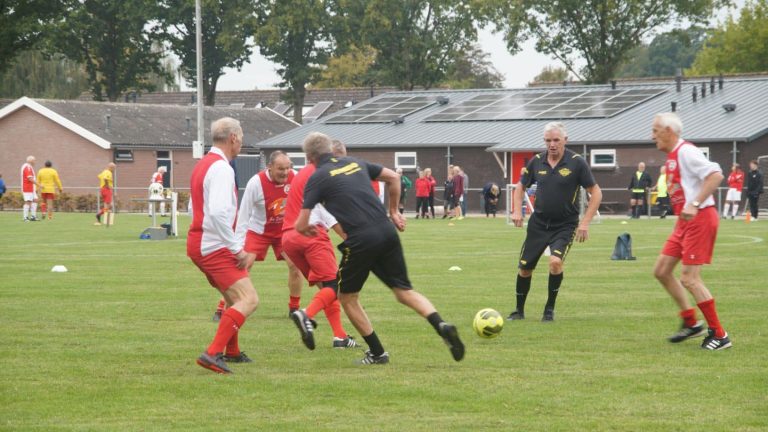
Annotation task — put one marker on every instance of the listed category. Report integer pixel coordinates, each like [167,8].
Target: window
[605,158]
[705,150]
[298,160]
[405,160]
[123,155]
[161,154]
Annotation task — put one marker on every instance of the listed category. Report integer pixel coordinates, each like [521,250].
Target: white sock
[735,210]
[26,210]
[34,208]
[726,208]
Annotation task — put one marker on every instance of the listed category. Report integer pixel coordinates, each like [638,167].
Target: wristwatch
[695,204]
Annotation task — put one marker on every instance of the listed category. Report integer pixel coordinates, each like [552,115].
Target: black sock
[435,320]
[374,344]
[554,288]
[523,286]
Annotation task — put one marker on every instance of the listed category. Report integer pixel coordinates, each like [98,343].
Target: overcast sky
[519,69]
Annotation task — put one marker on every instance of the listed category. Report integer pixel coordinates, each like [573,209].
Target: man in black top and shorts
[554,221]
[343,186]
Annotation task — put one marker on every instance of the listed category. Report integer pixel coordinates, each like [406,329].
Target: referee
[343,185]
[554,221]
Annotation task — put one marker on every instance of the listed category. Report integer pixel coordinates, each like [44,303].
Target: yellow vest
[661,186]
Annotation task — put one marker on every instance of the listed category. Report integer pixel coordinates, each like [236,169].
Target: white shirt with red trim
[215,205]
[27,178]
[689,169]
[322,217]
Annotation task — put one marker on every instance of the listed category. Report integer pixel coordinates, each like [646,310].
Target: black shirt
[343,186]
[754,183]
[557,190]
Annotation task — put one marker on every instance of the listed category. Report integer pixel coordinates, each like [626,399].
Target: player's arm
[392,179]
[710,185]
[517,204]
[58,182]
[303,226]
[595,198]
[221,185]
[250,196]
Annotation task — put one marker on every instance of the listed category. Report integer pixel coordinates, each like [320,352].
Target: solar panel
[281,108]
[546,105]
[385,109]
[316,111]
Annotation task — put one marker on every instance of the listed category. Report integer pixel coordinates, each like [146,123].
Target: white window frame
[297,155]
[413,155]
[602,152]
[705,150]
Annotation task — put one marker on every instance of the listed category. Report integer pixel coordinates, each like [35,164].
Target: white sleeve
[222,203]
[250,198]
[321,216]
[694,161]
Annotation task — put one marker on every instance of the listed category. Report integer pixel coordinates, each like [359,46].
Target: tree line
[119,46]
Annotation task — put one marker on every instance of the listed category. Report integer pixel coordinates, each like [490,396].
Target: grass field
[110,345]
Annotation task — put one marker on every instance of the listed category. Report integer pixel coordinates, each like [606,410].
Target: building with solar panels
[492,133]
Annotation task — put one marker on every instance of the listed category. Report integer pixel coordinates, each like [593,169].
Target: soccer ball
[488,323]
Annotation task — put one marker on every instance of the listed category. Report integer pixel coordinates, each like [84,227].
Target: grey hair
[338,148]
[222,128]
[276,154]
[672,121]
[316,144]
[30,159]
[556,126]
[162,168]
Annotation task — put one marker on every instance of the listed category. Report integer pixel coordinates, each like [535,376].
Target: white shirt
[694,168]
[321,216]
[219,207]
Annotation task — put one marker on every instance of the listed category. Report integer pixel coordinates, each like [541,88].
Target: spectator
[422,195]
[405,186]
[639,185]
[491,198]
[662,197]
[448,194]
[49,181]
[465,185]
[733,196]
[432,184]
[2,190]
[458,192]
[754,188]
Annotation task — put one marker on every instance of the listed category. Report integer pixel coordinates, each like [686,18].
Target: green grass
[110,345]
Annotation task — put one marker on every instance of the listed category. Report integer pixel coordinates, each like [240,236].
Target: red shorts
[313,256]
[258,244]
[220,268]
[106,196]
[48,196]
[694,241]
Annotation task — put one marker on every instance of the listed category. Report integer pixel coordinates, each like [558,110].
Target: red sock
[229,325]
[689,317]
[222,305]
[43,207]
[333,313]
[233,347]
[294,302]
[321,300]
[710,314]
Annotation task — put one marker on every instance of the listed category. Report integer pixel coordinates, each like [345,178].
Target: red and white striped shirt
[263,206]
[214,206]
[687,167]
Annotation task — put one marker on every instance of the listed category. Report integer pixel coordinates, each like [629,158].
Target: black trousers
[753,208]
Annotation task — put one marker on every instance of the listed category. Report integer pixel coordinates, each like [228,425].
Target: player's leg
[553,286]
[664,273]
[295,278]
[33,209]
[690,278]
[26,209]
[536,241]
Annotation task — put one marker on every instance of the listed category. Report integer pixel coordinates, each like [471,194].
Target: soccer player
[691,180]
[260,222]
[315,258]
[29,189]
[554,221]
[48,179]
[106,186]
[733,196]
[213,246]
[639,185]
[157,177]
[372,243]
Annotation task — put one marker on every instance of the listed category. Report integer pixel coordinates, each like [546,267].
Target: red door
[519,161]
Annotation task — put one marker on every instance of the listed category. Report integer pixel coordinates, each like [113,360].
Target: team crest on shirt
[671,164]
[287,188]
[565,172]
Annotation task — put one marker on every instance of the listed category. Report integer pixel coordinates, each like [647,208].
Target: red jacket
[423,187]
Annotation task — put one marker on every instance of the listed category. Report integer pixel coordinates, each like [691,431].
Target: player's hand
[517,218]
[689,212]
[250,258]
[308,231]
[582,233]
[398,220]
[241,257]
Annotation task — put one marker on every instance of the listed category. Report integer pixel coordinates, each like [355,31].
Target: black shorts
[638,195]
[376,249]
[540,234]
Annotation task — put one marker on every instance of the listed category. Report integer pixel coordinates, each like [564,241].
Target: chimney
[720,82]
[703,90]
[712,85]
[189,122]
[693,93]
[108,119]
[679,80]
[674,106]
[613,84]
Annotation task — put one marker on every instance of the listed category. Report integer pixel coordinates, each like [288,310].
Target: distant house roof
[129,125]
[704,120]
[334,99]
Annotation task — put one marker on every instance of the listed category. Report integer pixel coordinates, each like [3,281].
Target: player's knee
[688,280]
[555,265]
[525,273]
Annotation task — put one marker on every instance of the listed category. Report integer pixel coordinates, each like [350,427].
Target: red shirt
[157,177]
[423,186]
[736,180]
[27,178]
[296,196]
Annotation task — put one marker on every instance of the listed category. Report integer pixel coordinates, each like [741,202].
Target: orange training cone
[749,217]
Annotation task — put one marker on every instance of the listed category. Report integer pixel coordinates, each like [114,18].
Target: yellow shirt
[105,179]
[661,186]
[49,180]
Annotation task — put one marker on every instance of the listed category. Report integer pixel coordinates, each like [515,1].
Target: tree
[22,25]
[351,69]
[600,33]
[472,69]
[294,34]
[111,39]
[35,75]
[227,27]
[666,53]
[737,46]
[417,40]
[551,74]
